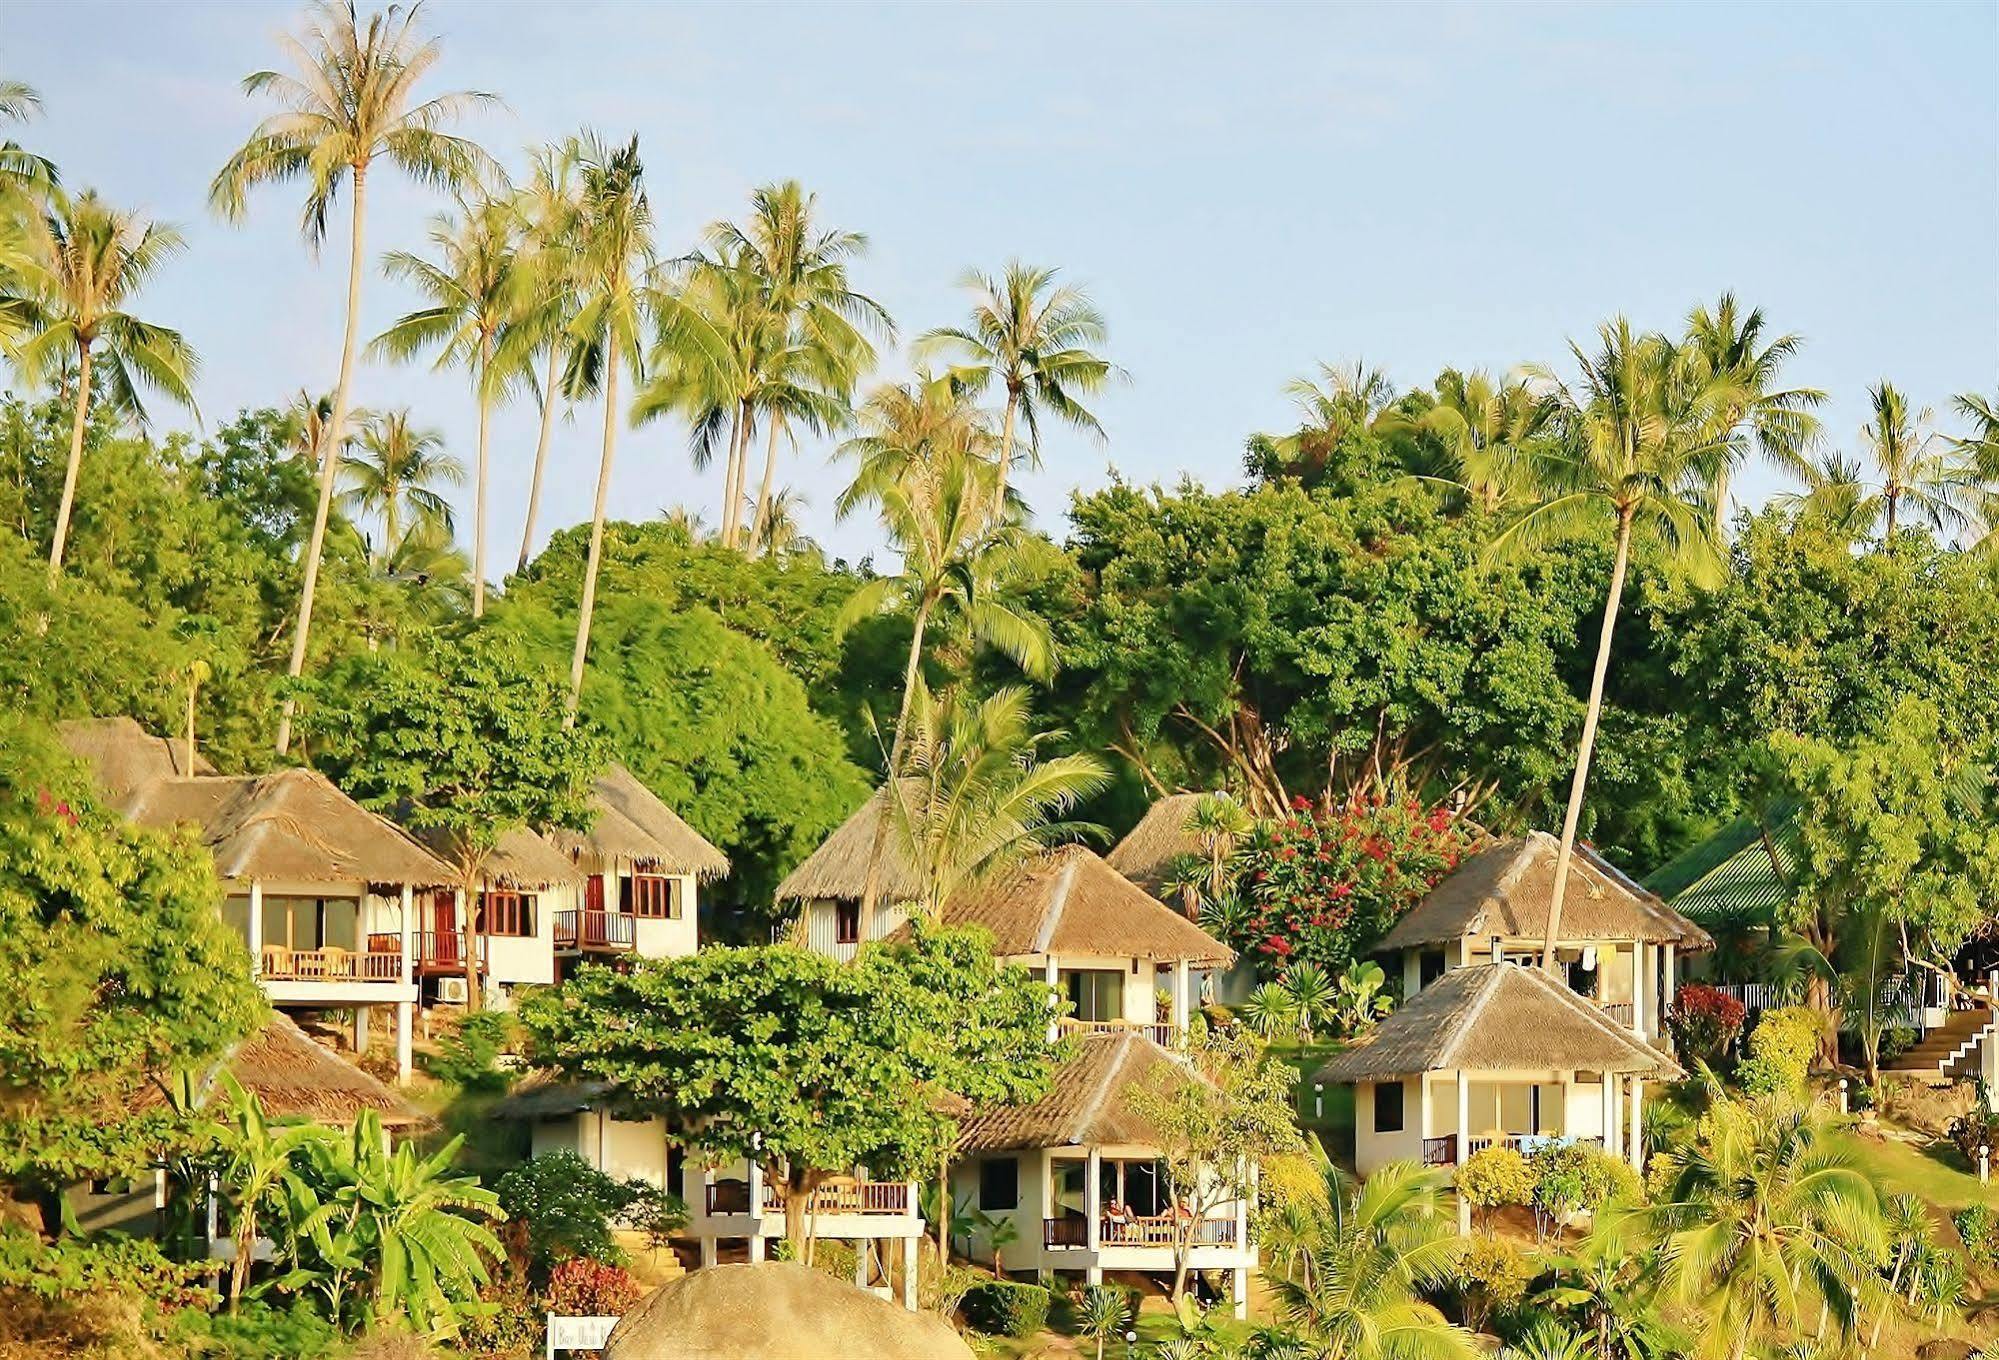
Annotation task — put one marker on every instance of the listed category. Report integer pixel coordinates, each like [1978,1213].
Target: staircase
[1941,1050]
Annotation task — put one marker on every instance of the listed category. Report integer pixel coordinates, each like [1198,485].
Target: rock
[777,1311]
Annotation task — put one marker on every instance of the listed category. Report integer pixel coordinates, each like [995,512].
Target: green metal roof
[1730,875]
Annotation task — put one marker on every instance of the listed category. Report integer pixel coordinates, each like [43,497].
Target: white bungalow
[641,867]
[526,886]
[321,891]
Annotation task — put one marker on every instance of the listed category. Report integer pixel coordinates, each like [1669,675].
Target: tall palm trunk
[1893,495]
[1006,451]
[479,493]
[329,462]
[540,460]
[871,889]
[770,475]
[75,459]
[732,479]
[596,537]
[246,1247]
[1588,744]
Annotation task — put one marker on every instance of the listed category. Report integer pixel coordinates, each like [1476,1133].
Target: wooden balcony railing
[890,1198]
[1440,1151]
[1160,1033]
[334,964]
[594,930]
[1156,1231]
[1619,1012]
[429,949]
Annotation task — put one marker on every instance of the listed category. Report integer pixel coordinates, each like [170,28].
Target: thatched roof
[1161,837]
[839,867]
[1088,1101]
[1489,1018]
[124,757]
[1070,901]
[1507,888]
[289,826]
[295,1078]
[523,861]
[633,824]
[544,1095]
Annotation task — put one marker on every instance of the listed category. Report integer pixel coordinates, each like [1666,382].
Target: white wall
[620,1148]
[1373,1149]
[822,925]
[658,939]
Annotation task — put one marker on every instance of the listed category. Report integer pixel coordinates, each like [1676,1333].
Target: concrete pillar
[1052,976]
[1464,1118]
[861,1264]
[409,932]
[1665,982]
[756,1247]
[1181,1000]
[1638,988]
[1239,1292]
[404,1025]
[1610,1113]
[1637,1129]
[909,1273]
[360,1031]
[256,927]
[1093,1208]
[707,1251]
[458,909]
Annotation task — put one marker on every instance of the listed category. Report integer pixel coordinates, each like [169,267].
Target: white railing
[1160,1033]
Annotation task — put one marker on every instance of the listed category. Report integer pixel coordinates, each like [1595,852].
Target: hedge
[1007,1308]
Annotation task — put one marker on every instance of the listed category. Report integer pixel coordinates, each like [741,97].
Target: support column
[360,1031]
[1463,1150]
[1637,1128]
[404,1024]
[1182,1002]
[1052,976]
[861,1264]
[256,928]
[1610,1082]
[1093,1213]
[909,1273]
[1239,1292]
[707,1251]
[756,1247]
[1666,982]
[1638,988]
[409,922]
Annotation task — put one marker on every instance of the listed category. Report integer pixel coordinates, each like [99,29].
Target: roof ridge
[1469,1020]
[1088,1114]
[1569,996]
[1065,883]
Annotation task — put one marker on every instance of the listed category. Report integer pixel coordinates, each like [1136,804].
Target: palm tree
[817,327]
[1915,472]
[1483,428]
[1777,423]
[25,178]
[1342,400]
[1642,438]
[778,528]
[394,473]
[615,268]
[351,99]
[1767,1216]
[84,263]
[1361,1299]
[1978,453]
[977,794]
[550,209]
[1035,338]
[1835,501]
[477,287]
[935,493]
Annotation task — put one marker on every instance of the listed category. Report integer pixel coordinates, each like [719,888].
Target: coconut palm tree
[1642,437]
[978,795]
[477,287]
[1767,1220]
[1835,500]
[619,301]
[1361,1298]
[550,211]
[818,327]
[1035,338]
[1483,428]
[778,528]
[1342,400]
[83,264]
[1978,455]
[1774,422]
[1916,472]
[925,471]
[393,471]
[25,178]
[351,100]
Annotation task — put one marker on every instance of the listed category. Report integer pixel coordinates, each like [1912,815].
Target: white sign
[578,1333]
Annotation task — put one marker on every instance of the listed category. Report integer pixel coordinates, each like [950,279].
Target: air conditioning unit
[451,991]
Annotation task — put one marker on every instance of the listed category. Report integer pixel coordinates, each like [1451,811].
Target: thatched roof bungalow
[1163,836]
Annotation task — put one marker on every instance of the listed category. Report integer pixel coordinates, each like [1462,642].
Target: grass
[1933,1174]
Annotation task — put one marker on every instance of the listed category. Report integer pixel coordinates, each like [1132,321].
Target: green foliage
[1104,1312]
[1977,1127]
[111,1263]
[1496,1176]
[118,967]
[1572,1178]
[468,1057]
[1781,1049]
[1491,1276]
[1978,1228]
[711,721]
[1007,1308]
[257,1331]
[559,1206]
[781,1053]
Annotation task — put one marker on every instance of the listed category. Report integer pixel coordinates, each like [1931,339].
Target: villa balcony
[431,951]
[332,964]
[890,1198]
[1157,1231]
[607,931]
[1444,1151]
[1161,1033]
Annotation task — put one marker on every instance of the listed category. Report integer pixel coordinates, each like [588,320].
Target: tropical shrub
[110,1264]
[1491,1276]
[468,1057]
[1978,1228]
[1360,998]
[1573,1178]
[1705,1022]
[1781,1049]
[558,1206]
[1495,1176]
[1895,1041]
[1323,883]
[256,1331]
[581,1287]
[1977,1127]
[508,1325]
[1007,1308]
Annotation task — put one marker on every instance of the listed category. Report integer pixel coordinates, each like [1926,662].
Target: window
[1388,1107]
[1429,967]
[846,923]
[654,897]
[1094,994]
[999,1183]
[508,914]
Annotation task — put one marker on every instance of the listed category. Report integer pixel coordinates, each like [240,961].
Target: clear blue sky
[1245,190]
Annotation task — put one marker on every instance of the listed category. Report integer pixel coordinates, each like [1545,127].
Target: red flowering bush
[1705,1023]
[581,1287]
[1324,883]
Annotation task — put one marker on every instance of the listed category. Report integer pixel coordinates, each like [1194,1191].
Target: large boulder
[777,1311]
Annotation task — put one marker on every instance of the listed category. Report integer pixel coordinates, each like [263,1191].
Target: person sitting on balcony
[1182,1211]
[1117,1214]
